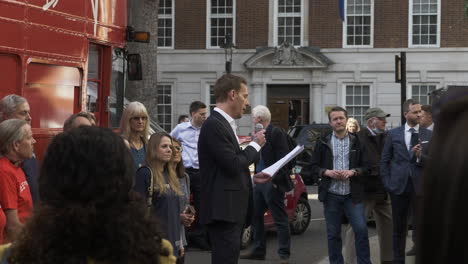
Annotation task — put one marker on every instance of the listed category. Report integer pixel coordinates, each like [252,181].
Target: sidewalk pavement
[375,254]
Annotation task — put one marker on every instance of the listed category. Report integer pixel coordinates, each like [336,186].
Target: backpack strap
[149,198]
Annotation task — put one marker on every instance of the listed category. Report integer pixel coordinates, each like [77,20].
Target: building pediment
[288,57]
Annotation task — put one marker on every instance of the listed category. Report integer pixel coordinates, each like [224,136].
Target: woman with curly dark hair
[89,212]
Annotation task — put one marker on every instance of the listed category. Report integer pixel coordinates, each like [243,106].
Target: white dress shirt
[233,124]
[408,135]
[431,127]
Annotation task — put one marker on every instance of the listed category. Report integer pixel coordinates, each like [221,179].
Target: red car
[297,206]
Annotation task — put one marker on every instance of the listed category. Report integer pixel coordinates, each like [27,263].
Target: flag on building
[341,8]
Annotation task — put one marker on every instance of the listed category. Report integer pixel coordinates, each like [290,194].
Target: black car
[307,135]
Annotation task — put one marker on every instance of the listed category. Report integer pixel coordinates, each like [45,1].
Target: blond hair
[134,109]
[355,122]
[155,164]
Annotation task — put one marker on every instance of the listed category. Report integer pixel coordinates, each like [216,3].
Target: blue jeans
[268,197]
[334,206]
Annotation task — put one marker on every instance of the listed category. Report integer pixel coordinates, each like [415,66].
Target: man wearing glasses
[188,133]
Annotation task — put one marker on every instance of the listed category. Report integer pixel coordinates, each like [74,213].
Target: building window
[357,101]
[289,22]
[220,21]
[420,93]
[424,23]
[211,102]
[165,106]
[166,24]
[358,26]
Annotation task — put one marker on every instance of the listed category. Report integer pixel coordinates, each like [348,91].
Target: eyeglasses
[136,118]
[177,148]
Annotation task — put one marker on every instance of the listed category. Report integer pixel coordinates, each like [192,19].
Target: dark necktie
[414,138]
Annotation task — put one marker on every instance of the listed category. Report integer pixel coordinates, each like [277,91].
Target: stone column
[257,98]
[316,94]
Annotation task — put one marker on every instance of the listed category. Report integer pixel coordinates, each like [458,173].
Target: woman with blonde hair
[352,125]
[157,182]
[134,128]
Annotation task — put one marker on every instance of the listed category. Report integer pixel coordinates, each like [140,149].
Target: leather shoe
[251,255]
[200,243]
[411,252]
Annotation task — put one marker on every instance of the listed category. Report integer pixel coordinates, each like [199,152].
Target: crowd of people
[105,197]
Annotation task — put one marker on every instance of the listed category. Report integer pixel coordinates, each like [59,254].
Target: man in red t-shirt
[16,145]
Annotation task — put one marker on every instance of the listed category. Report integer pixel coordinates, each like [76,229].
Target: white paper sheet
[273,169]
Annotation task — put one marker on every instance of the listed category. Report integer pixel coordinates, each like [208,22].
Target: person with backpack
[270,195]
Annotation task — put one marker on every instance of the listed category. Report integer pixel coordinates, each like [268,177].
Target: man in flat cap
[376,199]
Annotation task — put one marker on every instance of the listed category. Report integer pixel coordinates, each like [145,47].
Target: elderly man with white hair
[270,195]
[16,145]
[16,107]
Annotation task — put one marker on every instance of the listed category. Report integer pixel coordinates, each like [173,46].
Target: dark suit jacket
[396,166]
[226,186]
[373,187]
[276,147]
[323,160]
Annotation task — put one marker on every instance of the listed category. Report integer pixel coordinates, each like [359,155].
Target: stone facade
[327,66]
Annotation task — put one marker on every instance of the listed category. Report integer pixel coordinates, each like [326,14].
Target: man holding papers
[270,193]
[339,160]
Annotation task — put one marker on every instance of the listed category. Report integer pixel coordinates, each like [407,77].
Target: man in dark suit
[400,168]
[270,195]
[226,192]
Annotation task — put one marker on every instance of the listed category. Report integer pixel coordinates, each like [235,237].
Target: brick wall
[190,23]
[325,26]
[391,24]
[252,24]
[454,25]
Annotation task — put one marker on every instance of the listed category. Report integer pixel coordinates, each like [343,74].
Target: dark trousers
[334,207]
[266,196]
[225,240]
[198,232]
[401,204]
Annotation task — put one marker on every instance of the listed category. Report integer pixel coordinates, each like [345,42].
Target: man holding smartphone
[400,168]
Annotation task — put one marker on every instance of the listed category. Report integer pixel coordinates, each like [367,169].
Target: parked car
[297,206]
[307,135]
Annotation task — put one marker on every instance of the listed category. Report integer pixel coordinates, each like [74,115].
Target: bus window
[117,88]
[94,79]
[50,91]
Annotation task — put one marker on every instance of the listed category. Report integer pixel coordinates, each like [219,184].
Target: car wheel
[246,237]
[301,217]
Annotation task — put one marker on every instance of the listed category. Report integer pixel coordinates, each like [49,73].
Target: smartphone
[189,210]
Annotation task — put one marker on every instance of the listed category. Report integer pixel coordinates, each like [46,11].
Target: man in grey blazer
[401,167]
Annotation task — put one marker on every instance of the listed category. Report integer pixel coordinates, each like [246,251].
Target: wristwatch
[354,171]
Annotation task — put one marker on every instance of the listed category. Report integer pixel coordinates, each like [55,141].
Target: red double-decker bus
[64,56]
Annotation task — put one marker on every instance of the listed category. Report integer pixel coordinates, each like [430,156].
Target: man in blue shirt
[188,133]
[339,160]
